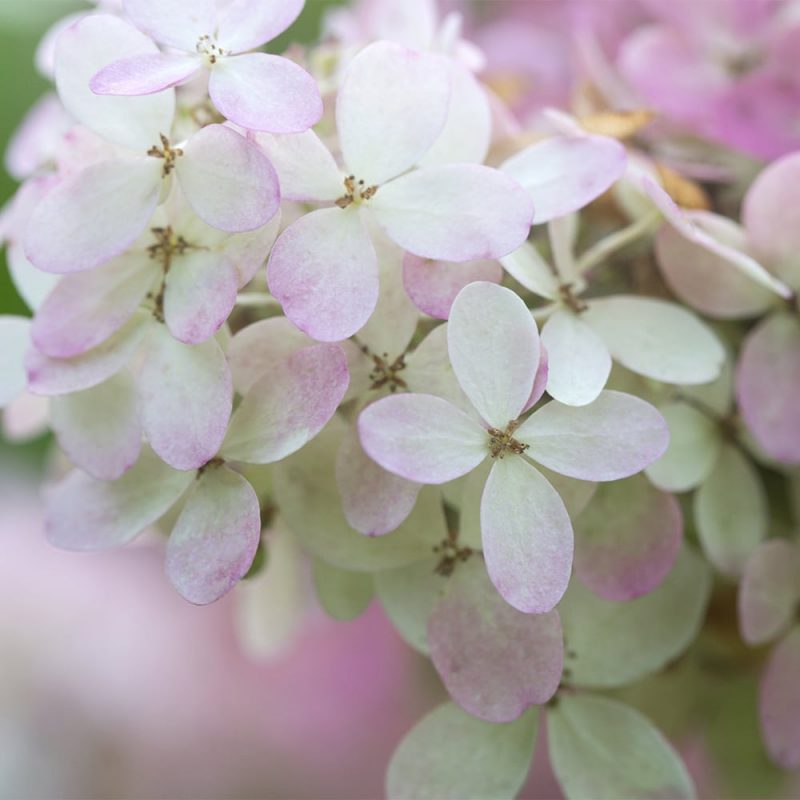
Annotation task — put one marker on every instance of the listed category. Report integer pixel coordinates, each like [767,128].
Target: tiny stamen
[502,442]
[169,154]
[451,554]
[355,192]
[570,299]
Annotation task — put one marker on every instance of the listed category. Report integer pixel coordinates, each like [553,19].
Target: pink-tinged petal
[627,539]
[54,376]
[600,747]
[26,417]
[467,133]
[305,167]
[527,266]
[289,406]
[178,24]
[527,536]
[186,397]
[657,339]
[144,74]
[88,46]
[228,180]
[263,92]
[93,215]
[494,349]
[422,438]
[450,755]
[669,71]
[769,591]
[494,661]
[84,309]
[565,173]
[37,137]
[613,437]
[374,501]
[200,295]
[215,537]
[249,251]
[82,513]
[247,24]
[579,362]
[433,285]
[260,348]
[99,428]
[767,383]
[771,218]
[455,212]
[779,702]
[390,329]
[705,280]
[694,443]
[683,223]
[540,381]
[391,107]
[16,337]
[731,511]
[323,270]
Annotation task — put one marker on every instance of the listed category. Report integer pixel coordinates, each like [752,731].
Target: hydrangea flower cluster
[481,328]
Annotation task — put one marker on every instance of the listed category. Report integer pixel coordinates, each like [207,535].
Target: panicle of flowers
[460,302]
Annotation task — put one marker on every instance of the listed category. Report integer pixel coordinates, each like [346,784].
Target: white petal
[468,130]
[289,406]
[99,428]
[494,349]
[613,437]
[228,180]
[391,107]
[578,362]
[454,212]
[305,167]
[186,397]
[179,23]
[93,215]
[527,266]
[422,438]
[657,339]
[85,48]
[86,514]
[527,536]
[564,173]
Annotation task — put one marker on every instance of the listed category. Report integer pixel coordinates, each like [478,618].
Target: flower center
[451,554]
[570,299]
[384,372]
[208,48]
[167,245]
[168,153]
[502,442]
[355,192]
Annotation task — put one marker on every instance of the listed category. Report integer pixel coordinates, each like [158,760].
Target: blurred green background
[22,24]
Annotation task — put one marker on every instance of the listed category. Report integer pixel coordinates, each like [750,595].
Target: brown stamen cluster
[355,192]
[165,248]
[384,373]
[502,442]
[570,299]
[206,46]
[169,154]
[451,554]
